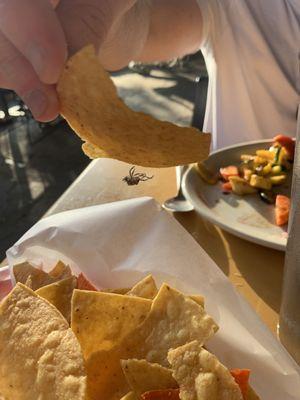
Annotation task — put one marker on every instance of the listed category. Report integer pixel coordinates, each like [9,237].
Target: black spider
[135,177]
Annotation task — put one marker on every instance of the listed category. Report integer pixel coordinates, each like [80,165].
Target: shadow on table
[183,89]
[264,273]
[207,235]
[36,167]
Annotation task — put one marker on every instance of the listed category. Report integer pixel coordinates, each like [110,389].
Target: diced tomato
[288,143]
[169,394]
[84,284]
[226,172]
[226,187]
[241,376]
[282,209]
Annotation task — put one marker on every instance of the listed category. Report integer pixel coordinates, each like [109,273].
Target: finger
[17,73]
[54,3]
[34,29]
[84,22]
[42,102]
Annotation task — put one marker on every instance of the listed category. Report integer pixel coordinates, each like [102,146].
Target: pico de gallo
[258,173]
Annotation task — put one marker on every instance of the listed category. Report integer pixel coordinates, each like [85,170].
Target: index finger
[34,29]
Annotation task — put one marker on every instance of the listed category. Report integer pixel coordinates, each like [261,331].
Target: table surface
[255,271]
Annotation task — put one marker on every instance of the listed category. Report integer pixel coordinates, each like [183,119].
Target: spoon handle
[180,170]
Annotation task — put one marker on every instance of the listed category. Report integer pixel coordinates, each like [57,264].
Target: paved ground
[37,165]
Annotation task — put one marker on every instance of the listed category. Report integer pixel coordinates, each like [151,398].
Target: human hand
[36,37]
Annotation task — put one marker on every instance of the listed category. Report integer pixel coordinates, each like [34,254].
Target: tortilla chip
[251,395]
[128,396]
[201,375]
[101,320]
[146,288]
[143,376]
[111,129]
[38,278]
[105,376]
[60,294]
[198,299]
[116,291]
[84,284]
[28,282]
[92,151]
[40,357]
[165,394]
[61,271]
[174,319]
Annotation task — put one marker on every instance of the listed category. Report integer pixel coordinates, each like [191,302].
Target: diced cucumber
[260,182]
[240,186]
[278,179]
[267,169]
[267,154]
[277,155]
[283,157]
[276,170]
[247,174]
[259,161]
[247,157]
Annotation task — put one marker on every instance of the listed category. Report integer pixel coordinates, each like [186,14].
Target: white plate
[245,216]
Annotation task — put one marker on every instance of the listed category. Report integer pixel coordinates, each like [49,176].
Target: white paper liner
[116,244]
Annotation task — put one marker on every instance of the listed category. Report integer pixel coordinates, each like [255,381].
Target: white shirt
[251,49]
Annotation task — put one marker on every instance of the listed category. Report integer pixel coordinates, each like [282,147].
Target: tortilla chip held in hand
[90,103]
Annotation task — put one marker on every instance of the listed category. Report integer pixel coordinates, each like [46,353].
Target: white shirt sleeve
[251,50]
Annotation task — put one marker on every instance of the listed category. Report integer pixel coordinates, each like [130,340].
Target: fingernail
[37,57]
[37,102]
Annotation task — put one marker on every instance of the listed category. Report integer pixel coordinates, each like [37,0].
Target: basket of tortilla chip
[61,338]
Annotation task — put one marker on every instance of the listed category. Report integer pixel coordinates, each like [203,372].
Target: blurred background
[38,162]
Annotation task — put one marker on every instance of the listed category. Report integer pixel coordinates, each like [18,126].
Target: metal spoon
[178,203]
